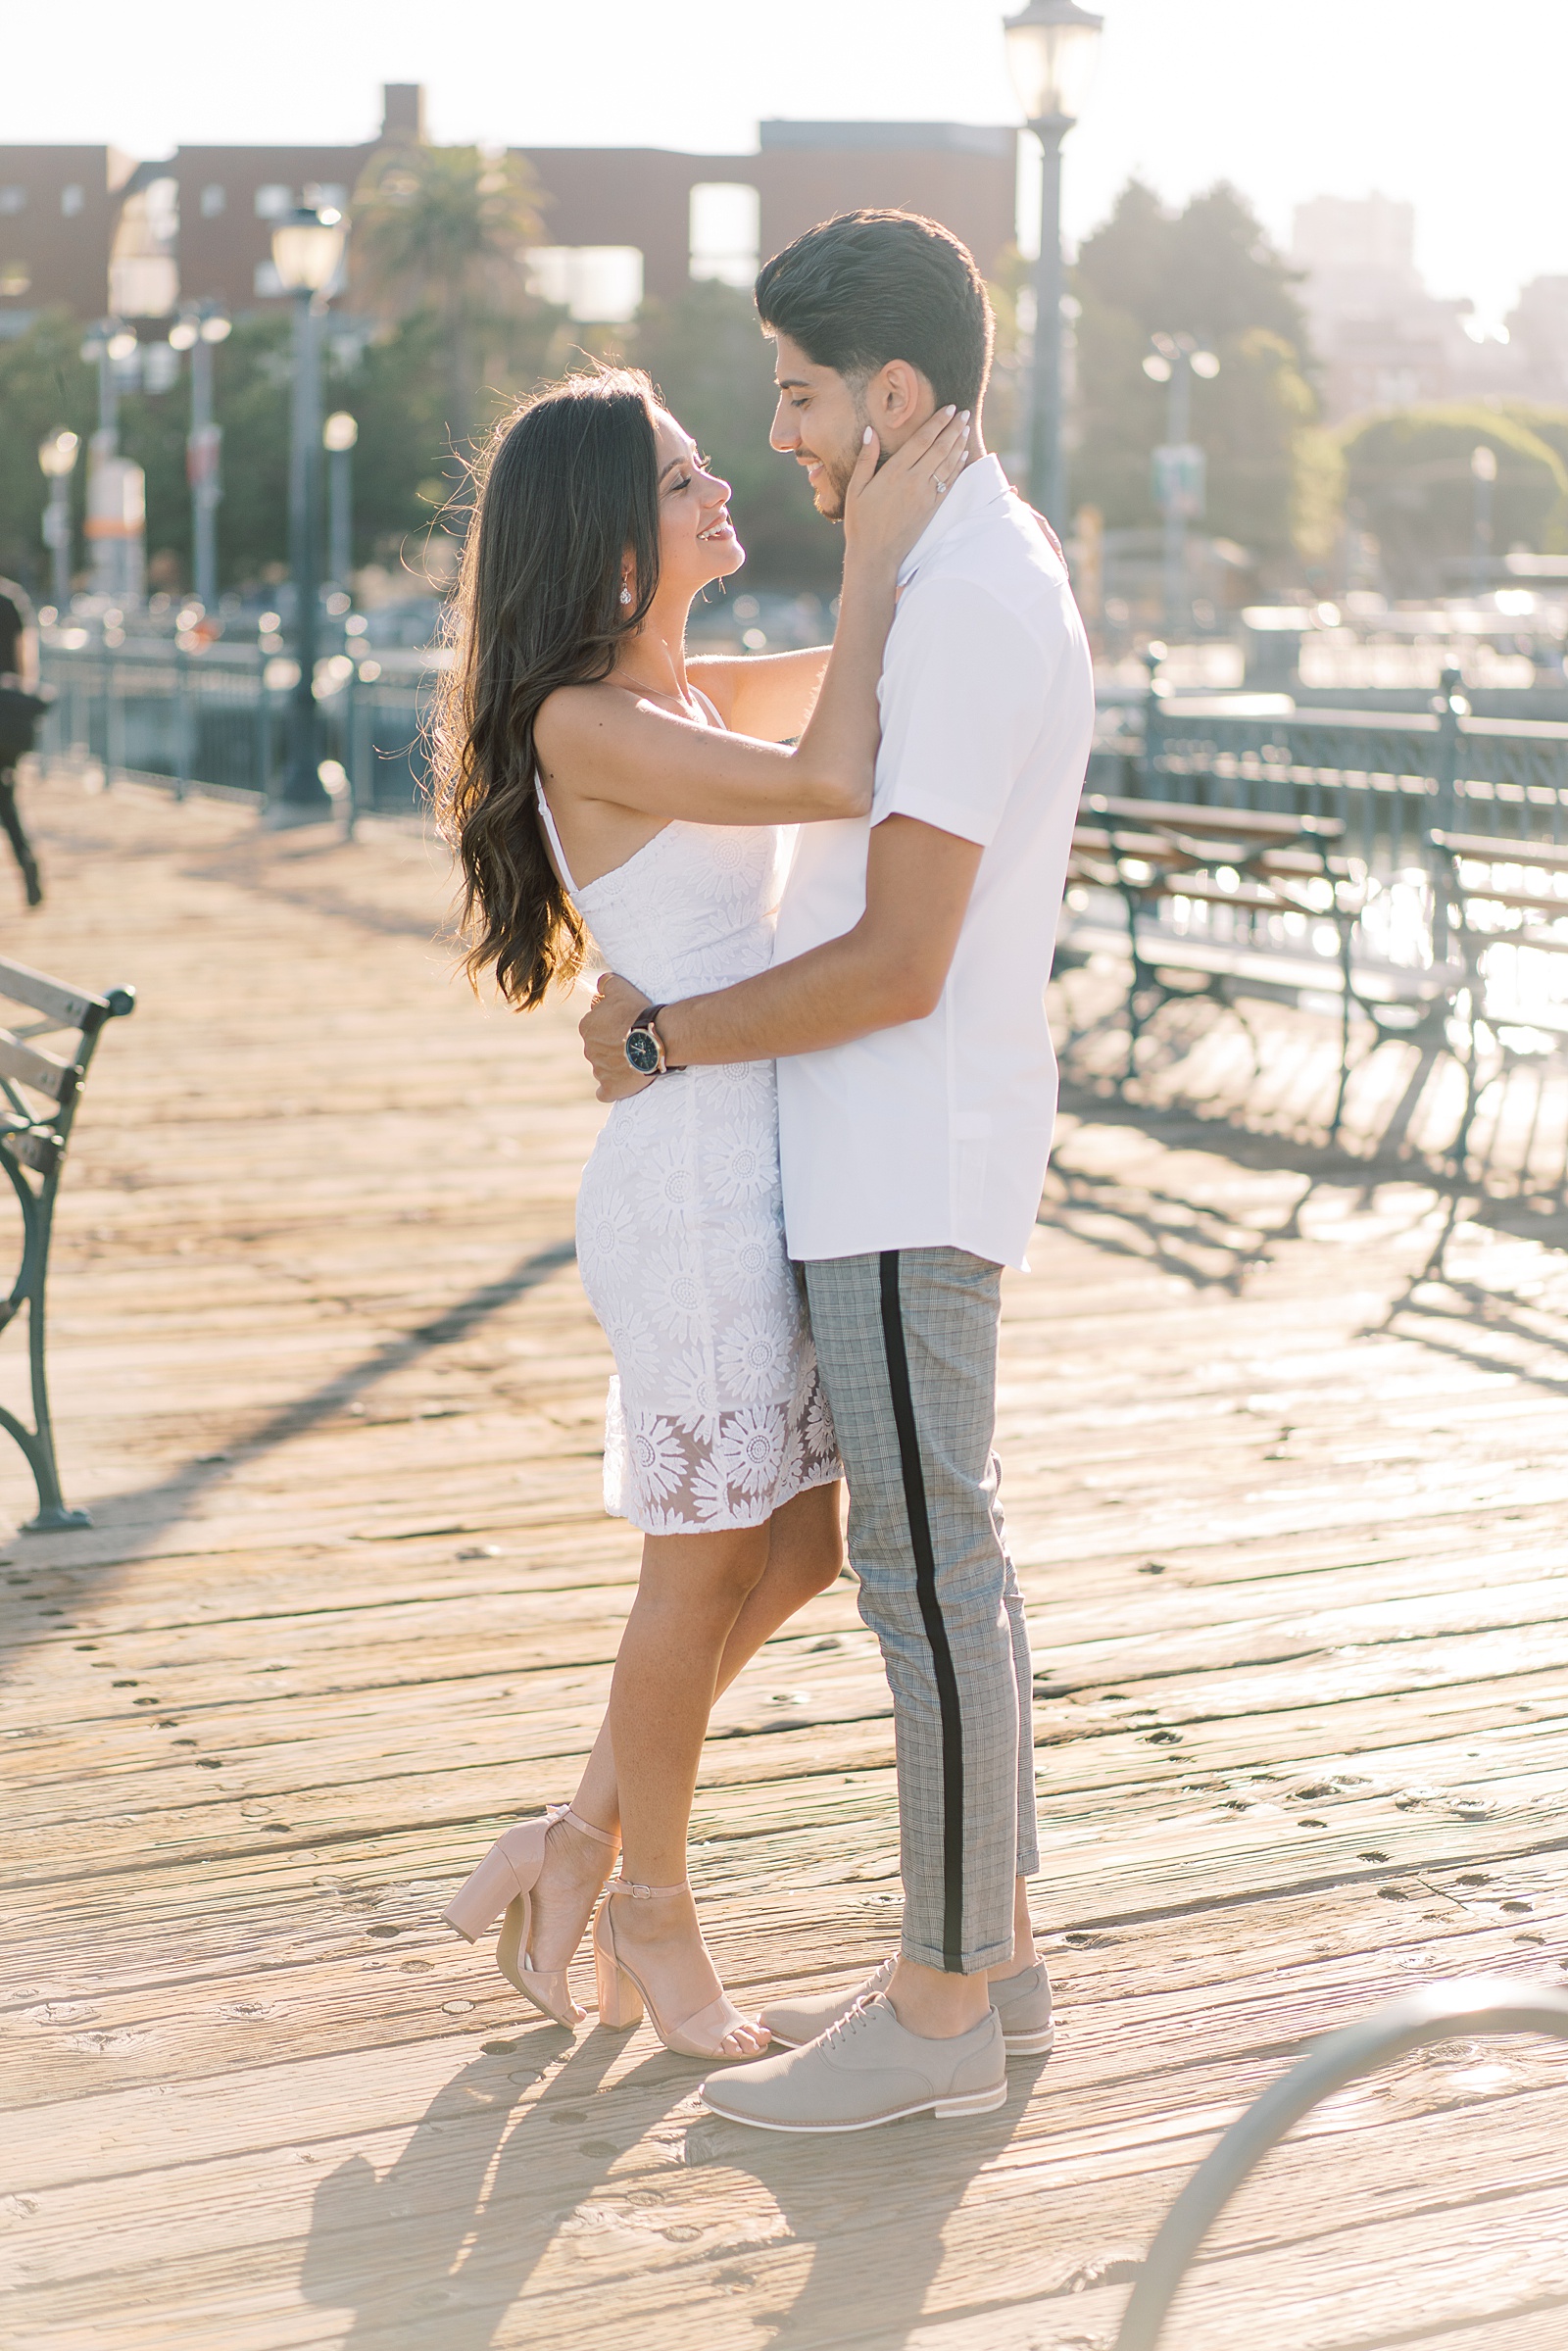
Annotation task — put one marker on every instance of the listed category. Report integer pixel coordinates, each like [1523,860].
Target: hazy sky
[1456,104]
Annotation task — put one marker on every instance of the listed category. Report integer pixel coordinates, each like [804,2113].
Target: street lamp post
[197,332]
[1484,482]
[307,249]
[1180,470]
[338,436]
[116,488]
[1050,55]
[57,455]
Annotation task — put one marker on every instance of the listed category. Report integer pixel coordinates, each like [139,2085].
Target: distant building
[87,228]
[1538,326]
[1381,338]
[59,212]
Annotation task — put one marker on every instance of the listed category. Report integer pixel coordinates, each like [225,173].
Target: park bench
[1501,903]
[39,1090]
[1253,869]
[1294,908]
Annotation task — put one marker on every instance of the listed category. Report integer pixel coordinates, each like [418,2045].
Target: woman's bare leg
[805,1553]
[802,1550]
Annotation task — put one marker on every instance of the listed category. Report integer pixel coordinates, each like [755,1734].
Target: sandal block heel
[621,2003]
[492,1887]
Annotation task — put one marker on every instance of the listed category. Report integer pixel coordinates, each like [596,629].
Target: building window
[267,281]
[273,200]
[13,200]
[596,284]
[214,201]
[73,199]
[726,231]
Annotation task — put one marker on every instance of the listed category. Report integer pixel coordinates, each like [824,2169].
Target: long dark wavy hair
[566,492]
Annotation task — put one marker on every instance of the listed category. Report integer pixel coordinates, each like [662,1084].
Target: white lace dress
[715,1417]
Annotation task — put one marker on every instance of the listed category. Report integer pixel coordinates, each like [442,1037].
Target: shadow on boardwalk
[127,1523]
[451,2233]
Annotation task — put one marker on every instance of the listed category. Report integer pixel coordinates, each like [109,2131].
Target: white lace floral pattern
[716,1415]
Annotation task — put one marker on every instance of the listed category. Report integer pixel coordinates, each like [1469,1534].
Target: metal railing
[216,721]
[1388,777]
[1483,2004]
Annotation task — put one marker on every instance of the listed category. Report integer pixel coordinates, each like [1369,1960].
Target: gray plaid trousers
[907,1341]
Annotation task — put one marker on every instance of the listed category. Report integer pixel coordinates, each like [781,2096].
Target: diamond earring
[625,592]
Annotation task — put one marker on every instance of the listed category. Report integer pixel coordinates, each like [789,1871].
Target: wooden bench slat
[1224,825]
[1485,849]
[1534,902]
[42,1071]
[25,986]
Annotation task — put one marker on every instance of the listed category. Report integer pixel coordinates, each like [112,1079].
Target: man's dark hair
[868,287]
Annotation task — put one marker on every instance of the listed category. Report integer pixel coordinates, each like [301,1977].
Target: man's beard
[839,471]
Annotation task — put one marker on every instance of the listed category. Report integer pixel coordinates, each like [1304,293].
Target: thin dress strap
[561,868]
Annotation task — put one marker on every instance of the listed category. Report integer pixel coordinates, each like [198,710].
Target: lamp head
[217,328]
[1050,56]
[307,247]
[183,335]
[340,431]
[57,453]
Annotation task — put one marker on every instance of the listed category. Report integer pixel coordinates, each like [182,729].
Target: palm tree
[445,230]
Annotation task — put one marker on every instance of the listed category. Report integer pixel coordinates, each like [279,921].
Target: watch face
[641,1051]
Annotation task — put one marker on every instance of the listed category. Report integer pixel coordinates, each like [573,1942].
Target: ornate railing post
[1451,707]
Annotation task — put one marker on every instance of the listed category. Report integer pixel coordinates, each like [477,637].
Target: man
[19,675]
[916,1093]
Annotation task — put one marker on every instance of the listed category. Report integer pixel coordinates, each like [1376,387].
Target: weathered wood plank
[252,2100]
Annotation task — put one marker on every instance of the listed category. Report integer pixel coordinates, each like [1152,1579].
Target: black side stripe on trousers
[936,1631]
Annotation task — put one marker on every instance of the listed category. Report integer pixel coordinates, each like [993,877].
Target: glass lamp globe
[307,247]
[1050,56]
[57,453]
[341,430]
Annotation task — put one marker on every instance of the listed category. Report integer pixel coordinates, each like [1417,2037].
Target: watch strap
[645,1020]
[671,1069]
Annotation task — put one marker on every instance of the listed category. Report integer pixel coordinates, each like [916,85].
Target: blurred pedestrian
[20,712]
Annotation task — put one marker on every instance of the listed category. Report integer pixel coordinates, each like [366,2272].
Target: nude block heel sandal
[503,1887]
[623,1996]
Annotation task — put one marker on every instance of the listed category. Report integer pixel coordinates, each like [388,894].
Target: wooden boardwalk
[1292,1524]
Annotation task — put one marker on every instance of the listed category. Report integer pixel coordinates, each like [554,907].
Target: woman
[593,780]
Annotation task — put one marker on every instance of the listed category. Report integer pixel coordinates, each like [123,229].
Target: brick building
[89,228]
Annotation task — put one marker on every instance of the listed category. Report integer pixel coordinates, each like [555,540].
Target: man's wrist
[672,1023]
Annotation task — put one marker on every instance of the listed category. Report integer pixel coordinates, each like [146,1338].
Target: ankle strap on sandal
[646,1894]
[601,1836]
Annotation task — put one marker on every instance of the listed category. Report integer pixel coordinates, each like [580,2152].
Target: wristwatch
[645,1047]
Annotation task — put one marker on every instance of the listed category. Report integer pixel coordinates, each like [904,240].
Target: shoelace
[847,2023]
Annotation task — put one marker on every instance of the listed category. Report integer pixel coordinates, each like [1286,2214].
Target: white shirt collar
[978,486]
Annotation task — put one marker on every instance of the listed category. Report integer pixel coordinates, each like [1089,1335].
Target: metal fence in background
[216,722]
[1388,777]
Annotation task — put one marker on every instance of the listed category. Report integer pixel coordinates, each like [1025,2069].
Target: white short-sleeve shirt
[936,1133]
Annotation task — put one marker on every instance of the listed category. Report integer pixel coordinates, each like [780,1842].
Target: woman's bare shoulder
[576,718]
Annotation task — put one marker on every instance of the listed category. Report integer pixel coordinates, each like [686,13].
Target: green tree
[715,367]
[1209,271]
[44,383]
[441,232]
[1409,481]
